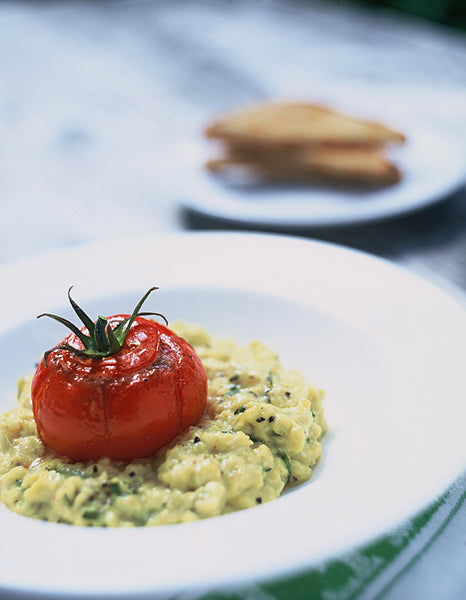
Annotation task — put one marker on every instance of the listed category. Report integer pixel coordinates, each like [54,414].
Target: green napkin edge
[340,578]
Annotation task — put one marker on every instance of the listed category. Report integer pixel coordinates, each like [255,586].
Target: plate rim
[202,202]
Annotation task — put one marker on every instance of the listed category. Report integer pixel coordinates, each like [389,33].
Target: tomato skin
[125,406]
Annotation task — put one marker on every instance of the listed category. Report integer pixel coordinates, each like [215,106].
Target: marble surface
[95,94]
[95,97]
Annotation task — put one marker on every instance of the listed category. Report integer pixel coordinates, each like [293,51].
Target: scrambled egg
[261,432]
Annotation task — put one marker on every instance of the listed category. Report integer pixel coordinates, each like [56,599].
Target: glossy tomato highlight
[123,406]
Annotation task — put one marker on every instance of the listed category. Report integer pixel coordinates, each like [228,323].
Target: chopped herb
[234,389]
[115,489]
[91,514]
[271,419]
[254,439]
[287,462]
[267,469]
[234,378]
[270,377]
[260,419]
[313,414]
[240,410]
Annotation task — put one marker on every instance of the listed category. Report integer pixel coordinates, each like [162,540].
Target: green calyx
[102,340]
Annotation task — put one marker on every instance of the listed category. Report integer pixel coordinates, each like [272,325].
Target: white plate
[388,347]
[432,163]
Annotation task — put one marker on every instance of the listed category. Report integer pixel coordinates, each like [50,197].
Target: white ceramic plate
[432,163]
[387,346]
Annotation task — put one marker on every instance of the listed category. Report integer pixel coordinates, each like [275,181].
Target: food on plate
[121,387]
[361,164]
[260,432]
[294,124]
[298,141]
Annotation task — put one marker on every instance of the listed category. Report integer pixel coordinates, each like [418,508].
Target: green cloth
[382,568]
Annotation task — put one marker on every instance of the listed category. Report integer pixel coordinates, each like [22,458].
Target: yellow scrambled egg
[261,432]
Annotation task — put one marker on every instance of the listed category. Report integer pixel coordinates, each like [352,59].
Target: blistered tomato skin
[124,406]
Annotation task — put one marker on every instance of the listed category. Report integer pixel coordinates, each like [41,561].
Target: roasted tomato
[121,388]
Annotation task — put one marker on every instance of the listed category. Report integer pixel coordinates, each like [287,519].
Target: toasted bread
[289,124]
[361,165]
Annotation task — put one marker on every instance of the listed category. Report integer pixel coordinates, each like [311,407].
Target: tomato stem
[103,340]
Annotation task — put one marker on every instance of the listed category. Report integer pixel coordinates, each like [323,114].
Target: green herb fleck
[69,501]
[254,439]
[91,514]
[234,389]
[114,488]
[287,462]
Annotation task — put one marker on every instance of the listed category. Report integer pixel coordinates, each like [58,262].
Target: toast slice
[358,165]
[296,124]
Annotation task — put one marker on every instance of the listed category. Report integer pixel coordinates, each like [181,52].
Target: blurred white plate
[432,163]
[387,346]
